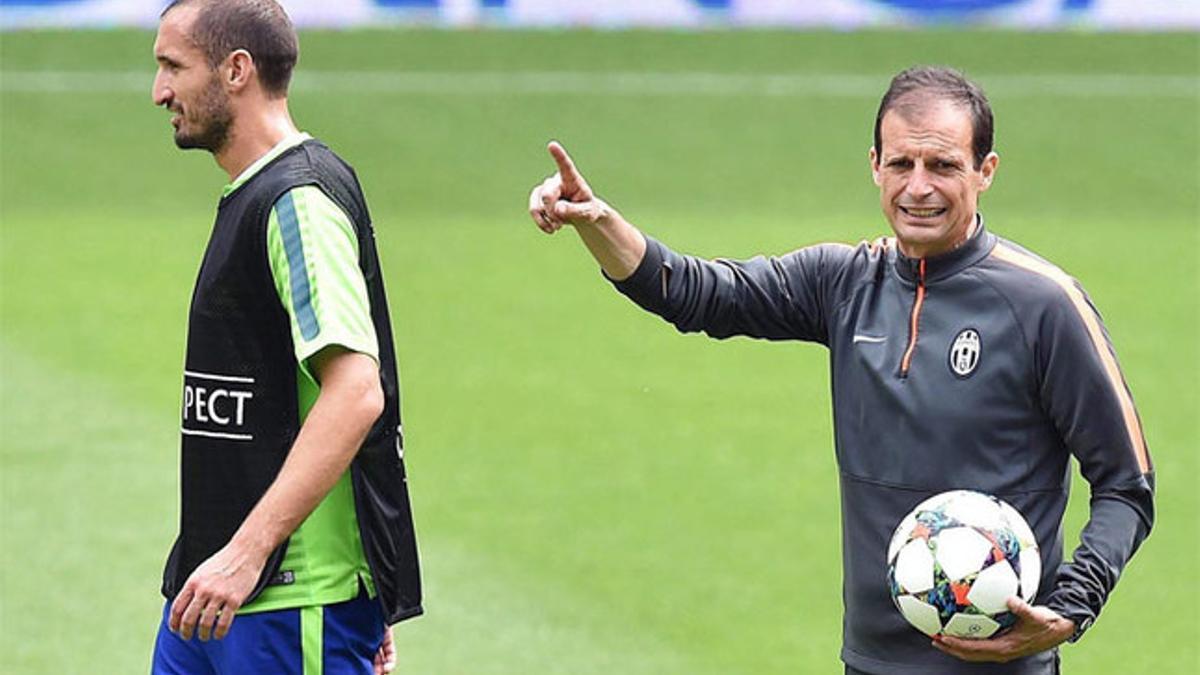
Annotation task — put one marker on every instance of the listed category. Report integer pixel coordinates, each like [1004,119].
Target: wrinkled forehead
[917,122]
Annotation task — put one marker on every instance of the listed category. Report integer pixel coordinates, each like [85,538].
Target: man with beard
[958,360]
[296,548]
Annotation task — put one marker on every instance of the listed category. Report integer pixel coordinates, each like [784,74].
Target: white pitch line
[690,83]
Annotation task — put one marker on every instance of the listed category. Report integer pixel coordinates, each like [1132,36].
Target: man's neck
[252,136]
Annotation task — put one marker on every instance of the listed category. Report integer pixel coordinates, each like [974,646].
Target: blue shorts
[339,639]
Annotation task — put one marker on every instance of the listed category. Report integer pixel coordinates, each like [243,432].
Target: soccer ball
[956,559]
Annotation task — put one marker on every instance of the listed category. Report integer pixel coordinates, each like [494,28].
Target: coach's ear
[874,164]
[987,170]
[238,70]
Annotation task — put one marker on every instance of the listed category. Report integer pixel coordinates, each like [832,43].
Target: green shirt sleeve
[313,253]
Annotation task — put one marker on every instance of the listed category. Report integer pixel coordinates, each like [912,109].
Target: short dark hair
[945,84]
[261,27]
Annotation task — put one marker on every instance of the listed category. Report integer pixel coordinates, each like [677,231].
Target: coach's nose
[919,184]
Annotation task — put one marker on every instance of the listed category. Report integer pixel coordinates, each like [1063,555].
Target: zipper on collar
[914,320]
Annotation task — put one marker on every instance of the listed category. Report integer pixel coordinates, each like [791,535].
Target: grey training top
[1032,381]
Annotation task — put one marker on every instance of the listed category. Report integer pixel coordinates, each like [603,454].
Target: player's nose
[160,93]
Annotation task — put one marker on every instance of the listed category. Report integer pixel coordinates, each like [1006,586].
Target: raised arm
[783,297]
[566,199]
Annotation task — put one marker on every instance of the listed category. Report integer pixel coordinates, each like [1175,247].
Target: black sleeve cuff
[645,277]
[1060,603]
[1082,623]
[647,286]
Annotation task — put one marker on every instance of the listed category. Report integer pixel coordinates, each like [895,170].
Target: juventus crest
[964,353]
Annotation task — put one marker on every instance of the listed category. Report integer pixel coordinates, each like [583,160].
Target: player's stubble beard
[209,119]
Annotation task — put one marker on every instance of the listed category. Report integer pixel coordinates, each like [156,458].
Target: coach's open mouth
[923,213]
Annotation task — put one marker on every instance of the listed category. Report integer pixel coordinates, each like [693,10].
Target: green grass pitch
[594,493]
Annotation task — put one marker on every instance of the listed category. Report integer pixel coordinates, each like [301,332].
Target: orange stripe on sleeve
[1132,426]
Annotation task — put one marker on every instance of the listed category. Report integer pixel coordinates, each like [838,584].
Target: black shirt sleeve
[1084,393]
[774,298]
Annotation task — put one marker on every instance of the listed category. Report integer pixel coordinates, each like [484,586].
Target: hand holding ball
[954,561]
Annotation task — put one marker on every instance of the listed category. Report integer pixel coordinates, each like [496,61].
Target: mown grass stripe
[630,83]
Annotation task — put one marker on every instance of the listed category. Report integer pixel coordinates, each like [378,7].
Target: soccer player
[296,548]
[959,360]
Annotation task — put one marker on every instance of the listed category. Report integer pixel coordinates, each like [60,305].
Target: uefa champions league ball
[954,561]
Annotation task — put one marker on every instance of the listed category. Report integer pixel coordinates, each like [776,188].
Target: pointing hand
[565,198]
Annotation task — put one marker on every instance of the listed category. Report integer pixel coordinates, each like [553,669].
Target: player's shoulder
[305,218]
[308,194]
[319,159]
[312,150]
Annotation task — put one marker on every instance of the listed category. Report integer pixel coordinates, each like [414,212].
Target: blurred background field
[594,493]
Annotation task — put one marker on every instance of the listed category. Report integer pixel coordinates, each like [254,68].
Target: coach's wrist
[1079,626]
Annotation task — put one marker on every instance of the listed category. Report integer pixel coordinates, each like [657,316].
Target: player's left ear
[238,70]
[987,170]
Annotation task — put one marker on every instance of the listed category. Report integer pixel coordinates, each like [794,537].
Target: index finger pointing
[566,167]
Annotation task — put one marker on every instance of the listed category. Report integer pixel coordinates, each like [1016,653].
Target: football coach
[959,360]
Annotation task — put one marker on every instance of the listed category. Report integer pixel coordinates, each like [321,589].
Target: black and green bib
[240,409]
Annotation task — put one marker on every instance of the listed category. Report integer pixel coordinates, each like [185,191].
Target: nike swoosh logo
[869,338]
